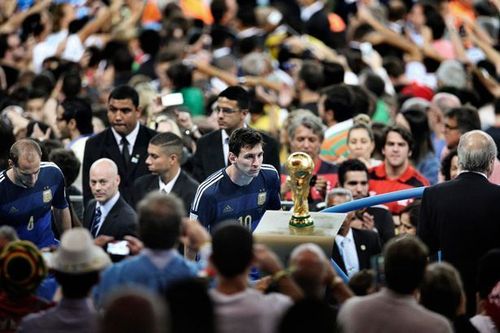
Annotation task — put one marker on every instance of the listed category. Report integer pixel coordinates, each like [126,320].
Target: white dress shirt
[167,188]
[347,249]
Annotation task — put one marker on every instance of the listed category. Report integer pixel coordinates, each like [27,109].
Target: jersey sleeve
[59,200]
[203,209]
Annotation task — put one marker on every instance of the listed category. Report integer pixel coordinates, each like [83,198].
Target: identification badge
[47,196]
[135,159]
[261,198]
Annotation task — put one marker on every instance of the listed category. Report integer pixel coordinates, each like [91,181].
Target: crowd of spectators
[119,118]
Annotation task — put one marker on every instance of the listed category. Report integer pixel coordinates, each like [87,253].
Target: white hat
[78,254]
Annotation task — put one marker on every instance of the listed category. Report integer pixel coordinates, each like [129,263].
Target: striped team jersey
[29,210]
[218,198]
[380,184]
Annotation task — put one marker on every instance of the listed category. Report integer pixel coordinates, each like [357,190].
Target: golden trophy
[300,167]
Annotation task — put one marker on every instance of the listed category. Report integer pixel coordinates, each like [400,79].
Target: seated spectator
[188,299]
[77,265]
[134,310]
[395,306]
[488,281]
[442,292]
[409,219]
[159,264]
[306,133]
[361,143]
[449,165]
[396,173]
[22,269]
[239,308]
[314,274]
[308,315]
[363,282]
[423,156]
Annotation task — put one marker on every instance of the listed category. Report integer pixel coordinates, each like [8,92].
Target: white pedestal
[273,230]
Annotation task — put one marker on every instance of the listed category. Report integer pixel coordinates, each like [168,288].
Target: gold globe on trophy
[300,167]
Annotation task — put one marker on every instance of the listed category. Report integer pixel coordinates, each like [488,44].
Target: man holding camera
[108,213]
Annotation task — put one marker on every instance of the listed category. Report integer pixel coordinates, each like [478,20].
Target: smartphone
[119,248]
[377,264]
[172,99]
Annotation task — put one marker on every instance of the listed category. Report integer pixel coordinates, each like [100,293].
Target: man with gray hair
[306,134]
[459,218]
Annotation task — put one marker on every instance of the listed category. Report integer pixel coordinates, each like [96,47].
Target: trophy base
[301,221]
[275,232]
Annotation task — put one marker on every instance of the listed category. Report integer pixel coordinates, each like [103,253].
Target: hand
[184,119]
[262,284]
[103,240]
[39,134]
[368,221]
[134,244]
[321,185]
[266,260]
[194,235]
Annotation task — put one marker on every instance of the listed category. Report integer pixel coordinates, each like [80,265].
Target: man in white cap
[76,264]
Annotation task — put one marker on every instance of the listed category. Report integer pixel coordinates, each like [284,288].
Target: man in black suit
[353,176]
[108,214]
[354,248]
[164,157]
[125,132]
[212,150]
[460,217]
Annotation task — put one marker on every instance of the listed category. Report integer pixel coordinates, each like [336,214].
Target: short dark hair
[446,163]
[24,146]
[168,142]
[488,273]
[413,211]
[149,40]
[160,217]
[405,259]
[311,73]
[441,290]
[238,94]
[350,165]
[232,248]
[467,118]
[243,137]
[125,92]
[72,84]
[180,75]
[76,286]
[405,134]
[340,99]
[81,111]
[67,161]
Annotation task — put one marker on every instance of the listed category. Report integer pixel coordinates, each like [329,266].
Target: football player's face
[249,160]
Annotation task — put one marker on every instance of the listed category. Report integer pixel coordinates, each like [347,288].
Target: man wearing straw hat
[76,265]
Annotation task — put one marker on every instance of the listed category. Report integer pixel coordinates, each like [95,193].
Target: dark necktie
[125,152]
[96,222]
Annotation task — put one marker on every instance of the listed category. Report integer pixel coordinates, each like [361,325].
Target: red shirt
[379,184]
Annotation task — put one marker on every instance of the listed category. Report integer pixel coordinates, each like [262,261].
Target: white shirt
[106,208]
[347,249]
[167,188]
[249,311]
[225,145]
[307,12]
[131,137]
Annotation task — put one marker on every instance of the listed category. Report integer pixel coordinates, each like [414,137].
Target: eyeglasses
[225,110]
[449,127]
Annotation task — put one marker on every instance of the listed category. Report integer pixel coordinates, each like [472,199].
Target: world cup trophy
[300,167]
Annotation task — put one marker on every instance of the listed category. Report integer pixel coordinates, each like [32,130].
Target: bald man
[460,217]
[108,213]
[31,192]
